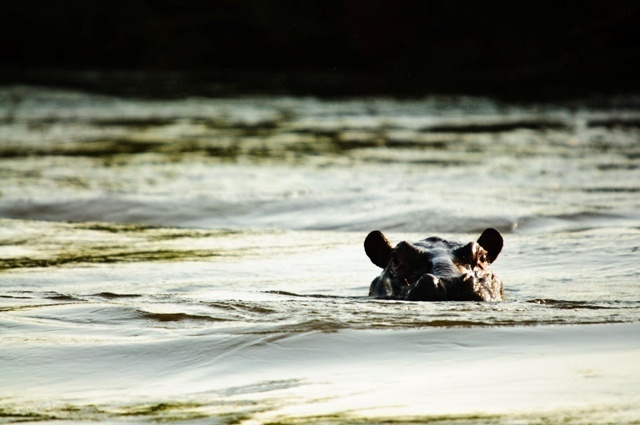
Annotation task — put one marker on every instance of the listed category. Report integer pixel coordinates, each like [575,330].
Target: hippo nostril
[428,277]
[428,287]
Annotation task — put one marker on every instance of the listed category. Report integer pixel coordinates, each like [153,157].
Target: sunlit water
[201,260]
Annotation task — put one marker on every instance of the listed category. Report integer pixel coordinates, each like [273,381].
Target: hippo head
[434,269]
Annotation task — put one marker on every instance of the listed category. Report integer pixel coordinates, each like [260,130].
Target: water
[200,260]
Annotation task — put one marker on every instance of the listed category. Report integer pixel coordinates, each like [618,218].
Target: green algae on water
[59,244]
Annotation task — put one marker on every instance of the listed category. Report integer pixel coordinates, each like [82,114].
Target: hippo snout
[435,269]
[428,287]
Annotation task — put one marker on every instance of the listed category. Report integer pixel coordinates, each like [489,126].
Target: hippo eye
[395,261]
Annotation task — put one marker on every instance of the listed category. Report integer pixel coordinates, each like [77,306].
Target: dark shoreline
[525,51]
[157,84]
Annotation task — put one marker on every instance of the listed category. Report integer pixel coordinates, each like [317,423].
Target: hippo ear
[491,240]
[378,248]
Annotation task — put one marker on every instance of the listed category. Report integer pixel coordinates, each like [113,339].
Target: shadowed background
[335,47]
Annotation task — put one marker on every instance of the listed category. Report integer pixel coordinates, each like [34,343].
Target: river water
[200,260]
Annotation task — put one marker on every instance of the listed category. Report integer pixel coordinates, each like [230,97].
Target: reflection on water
[444,164]
[201,259]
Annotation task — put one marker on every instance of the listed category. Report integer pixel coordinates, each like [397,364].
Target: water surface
[200,260]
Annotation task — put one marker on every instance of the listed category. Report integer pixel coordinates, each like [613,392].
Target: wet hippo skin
[435,269]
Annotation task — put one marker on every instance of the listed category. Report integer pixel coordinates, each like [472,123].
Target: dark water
[200,260]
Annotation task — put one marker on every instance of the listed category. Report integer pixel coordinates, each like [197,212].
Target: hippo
[435,269]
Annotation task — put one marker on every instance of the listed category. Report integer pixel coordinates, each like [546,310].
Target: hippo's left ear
[491,240]
[378,248]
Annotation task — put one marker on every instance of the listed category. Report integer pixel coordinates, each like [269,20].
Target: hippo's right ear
[491,240]
[378,248]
